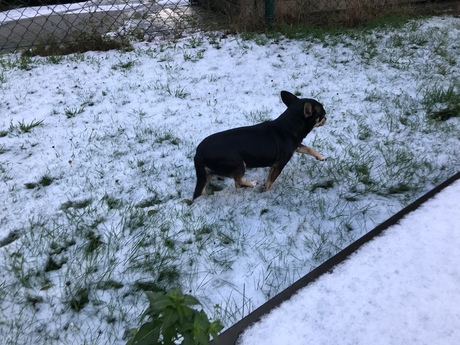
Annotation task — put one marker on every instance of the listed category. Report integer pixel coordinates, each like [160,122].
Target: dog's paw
[242,183]
[320,158]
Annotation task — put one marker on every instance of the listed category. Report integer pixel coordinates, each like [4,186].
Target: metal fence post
[269,13]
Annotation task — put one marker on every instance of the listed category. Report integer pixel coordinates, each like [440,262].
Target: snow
[400,288]
[118,138]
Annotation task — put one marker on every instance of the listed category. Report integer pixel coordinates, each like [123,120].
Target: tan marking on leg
[239,182]
[268,185]
[309,151]
[208,178]
[272,175]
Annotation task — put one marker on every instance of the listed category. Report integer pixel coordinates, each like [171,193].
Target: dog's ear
[307,109]
[288,98]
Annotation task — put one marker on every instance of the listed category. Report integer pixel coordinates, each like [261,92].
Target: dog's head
[312,110]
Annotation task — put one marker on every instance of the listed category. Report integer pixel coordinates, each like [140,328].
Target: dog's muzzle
[320,122]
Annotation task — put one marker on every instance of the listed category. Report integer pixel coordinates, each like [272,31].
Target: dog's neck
[293,126]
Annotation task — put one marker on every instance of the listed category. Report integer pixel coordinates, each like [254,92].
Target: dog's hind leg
[202,178]
[238,177]
[239,182]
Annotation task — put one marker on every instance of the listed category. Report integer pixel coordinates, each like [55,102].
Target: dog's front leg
[275,171]
[309,151]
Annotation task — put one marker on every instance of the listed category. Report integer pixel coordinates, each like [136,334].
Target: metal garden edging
[231,335]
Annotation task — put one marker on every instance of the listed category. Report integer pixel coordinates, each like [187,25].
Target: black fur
[268,144]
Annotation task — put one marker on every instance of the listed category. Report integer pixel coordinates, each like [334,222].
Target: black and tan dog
[268,144]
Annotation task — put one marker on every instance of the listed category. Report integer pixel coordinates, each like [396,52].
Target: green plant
[23,127]
[46,180]
[25,62]
[258,116]
[79,42]
[55,59]
[171,320]
[442,103]
[73,111]
[79,298]
[194,57]
[124,65]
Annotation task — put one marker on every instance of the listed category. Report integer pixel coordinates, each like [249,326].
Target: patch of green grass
[76,204]
[258,116]
[194,42]
[94,242]
[24,127]
[264,211]
[109,285]
[166,136]
[393,21]
[25,62]
[441,102]
[399,188]
[54,59]
[214,40]
[124,65]
[73,111]
[34,299]
[45,180]
[78,298]
[302,31]
[112,202]
[61,246]
[322,185]
[80,42]
[52,265]
[10,238]
[147,286]
[150,201]
[30,185]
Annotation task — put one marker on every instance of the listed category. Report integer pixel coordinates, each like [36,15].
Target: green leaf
[149,313]
[201,338]
[148,334]
[214,328]
[133,335]
[185,314]
[152,212]
[186,327]
[169,335]
[200,327]
[188,339]
[190,300]
[170,316]
[159,301]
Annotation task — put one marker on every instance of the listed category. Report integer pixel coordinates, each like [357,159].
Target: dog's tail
[201,176]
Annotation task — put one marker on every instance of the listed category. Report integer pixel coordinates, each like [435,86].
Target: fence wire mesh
[26,23]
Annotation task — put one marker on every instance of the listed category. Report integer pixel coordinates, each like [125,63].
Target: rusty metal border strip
[231,335]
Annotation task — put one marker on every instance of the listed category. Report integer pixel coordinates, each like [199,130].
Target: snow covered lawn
[96,160]
[400,288]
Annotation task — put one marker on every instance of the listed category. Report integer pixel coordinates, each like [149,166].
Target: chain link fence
[26,23]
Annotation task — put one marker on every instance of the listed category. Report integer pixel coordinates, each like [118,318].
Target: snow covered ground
[96,160]
[400,288]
